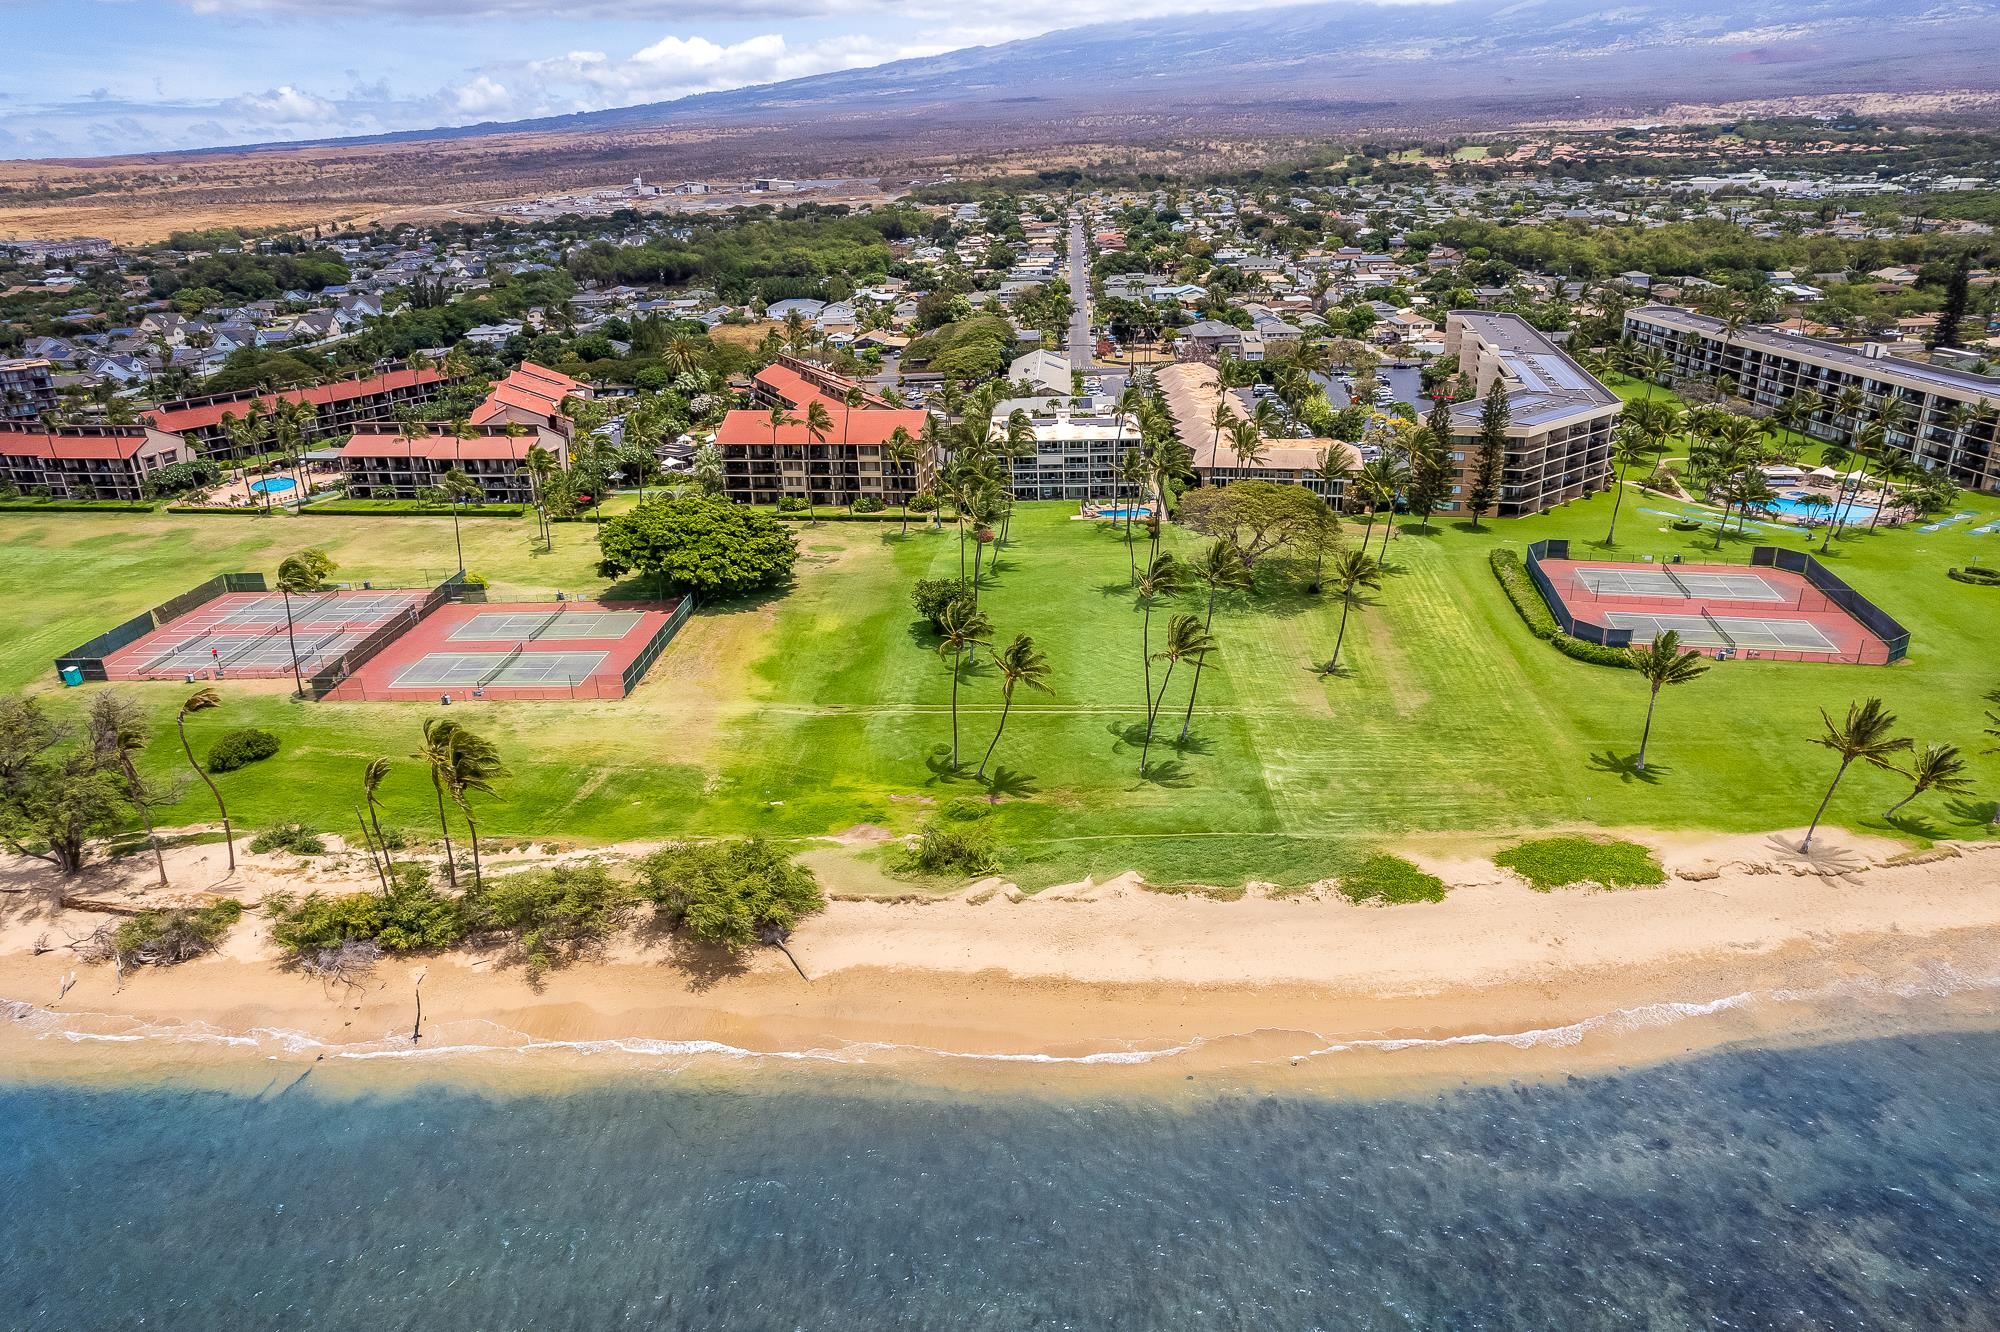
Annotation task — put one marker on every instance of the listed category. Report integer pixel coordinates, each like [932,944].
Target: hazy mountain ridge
[1414,64]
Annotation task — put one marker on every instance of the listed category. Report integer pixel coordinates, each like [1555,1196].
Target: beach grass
[1548,863]
[802,714]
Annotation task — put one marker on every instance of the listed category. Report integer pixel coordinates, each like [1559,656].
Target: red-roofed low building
[341,407]
[762,466]
[791,383]
[387,464]
[532,395]
[86,462]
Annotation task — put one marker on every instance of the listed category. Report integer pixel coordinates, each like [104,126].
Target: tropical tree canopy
[705,545]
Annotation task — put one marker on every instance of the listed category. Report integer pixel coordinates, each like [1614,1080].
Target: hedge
[1975,575]
[78,506]
[235,749]
[1541,621]
[408,509]
[238,512]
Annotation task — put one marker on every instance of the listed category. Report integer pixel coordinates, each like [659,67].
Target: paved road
[1082,347]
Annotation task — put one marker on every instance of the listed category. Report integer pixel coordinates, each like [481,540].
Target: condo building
[86,462]
[1560,416]
[1948,418]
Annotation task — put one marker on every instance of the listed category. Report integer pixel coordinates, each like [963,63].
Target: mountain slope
[1393,63]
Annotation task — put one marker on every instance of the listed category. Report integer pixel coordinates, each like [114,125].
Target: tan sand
[1096,984]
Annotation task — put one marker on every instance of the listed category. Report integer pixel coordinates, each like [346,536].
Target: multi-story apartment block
[86,462]
[1560,417]
[532,395]
[1949,420]
[792,382]
[27,389]
[762,466]
[1076,450]
[342,406]
[1192,393]
[388,464]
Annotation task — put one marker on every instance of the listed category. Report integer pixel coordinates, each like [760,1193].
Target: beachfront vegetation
[798,716]
[164,937]
[1390,880]
[1563,862]
[731,894]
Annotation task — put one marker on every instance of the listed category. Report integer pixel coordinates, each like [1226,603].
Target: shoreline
[1101,986]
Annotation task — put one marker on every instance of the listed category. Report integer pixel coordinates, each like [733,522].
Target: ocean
[1852,1185]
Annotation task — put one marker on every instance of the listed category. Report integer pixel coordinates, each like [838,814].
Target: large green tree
[707,546]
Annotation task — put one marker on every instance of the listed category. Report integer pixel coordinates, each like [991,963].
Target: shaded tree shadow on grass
[1170,773]
[1625,767]
[1005,783]
[1972,812]
[938,760]
[1914,825]
[1196,743]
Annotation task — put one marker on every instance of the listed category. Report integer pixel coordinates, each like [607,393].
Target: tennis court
[567,625]
[518,669]
[532,650]
[246,634]
[1663,581]
[1725,631]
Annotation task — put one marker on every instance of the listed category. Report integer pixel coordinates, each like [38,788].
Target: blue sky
[119,76]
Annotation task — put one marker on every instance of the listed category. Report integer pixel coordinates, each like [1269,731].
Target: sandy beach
[1105,984]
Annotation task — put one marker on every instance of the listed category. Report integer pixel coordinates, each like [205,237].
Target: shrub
[555,913]
[869,504]
[178,478]
[412,916]
[164,937]
[1559,862]
[731,893]
[1975,575]
[711,547]
[1390,879]
[293,837]
[792,504]
[933,596]
[240,747]
[1594,653]
[1541,621]
[941,849]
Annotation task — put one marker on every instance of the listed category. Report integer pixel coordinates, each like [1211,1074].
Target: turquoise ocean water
[1845,1186]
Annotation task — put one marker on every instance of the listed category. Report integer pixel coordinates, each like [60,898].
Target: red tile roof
[532,388]
[751,426]
[201,416]
[117,442]
[443,448]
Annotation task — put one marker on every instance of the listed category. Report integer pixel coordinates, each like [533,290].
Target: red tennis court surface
[242,635]
[1726,610]
[522,650]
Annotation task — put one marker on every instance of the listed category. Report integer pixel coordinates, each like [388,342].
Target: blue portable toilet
[72,676]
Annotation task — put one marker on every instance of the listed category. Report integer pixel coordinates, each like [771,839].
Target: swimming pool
[273,485]
[1791,504]
[1122,513]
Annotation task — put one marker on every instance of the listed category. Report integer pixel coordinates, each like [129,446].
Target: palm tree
[1336,468]
[1162,578]
[436,754]
[1220,565]
[1662,663]
[371,782]
[1993,733]
[960,627]
[1379,483]
[1132,472]
[1185,638]
[1020,663]
[458,488]
[1219,419]
[1247,443]
[818,422]
[201,700]
[1934,768]
[902,451]
[1631,447]
[1352,571]
[475,762]
[1866,736]
[301,573]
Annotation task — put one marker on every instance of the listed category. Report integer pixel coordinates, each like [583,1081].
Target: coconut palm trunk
[1152,715]
[444,826]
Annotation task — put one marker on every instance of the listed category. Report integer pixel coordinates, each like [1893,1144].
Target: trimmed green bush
[1391,880]
[392,508]
[1560,862]
[245,745]
[1541,621]
[932,597]
[947,849]
[224,512]
[1975,575]
[76,506]
[734,894]
[1594,653]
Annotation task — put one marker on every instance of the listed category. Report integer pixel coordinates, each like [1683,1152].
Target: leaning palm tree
[1352,571]
[1185,638]
[475,763]
[1218,566]
[1163,577]
[436,755]
[1933,768]
[961,626]
[371,782]
[1020,663]
[1867,736]
[1661,663]
[201,700]
[1629,448]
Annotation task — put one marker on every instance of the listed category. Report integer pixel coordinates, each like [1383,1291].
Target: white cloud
[284,105]
[481,97]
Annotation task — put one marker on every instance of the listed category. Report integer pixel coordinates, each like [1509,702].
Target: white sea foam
[1927,981]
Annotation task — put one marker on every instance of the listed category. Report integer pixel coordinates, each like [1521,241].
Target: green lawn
[811,712]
